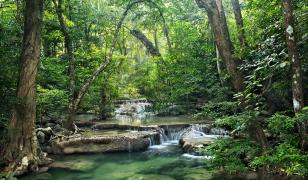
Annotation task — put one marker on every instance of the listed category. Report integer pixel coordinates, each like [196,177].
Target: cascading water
[134,109]
[169,134]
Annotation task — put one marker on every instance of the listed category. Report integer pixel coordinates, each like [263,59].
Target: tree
[219,25]
[71,59]
[297,85]
[239,22]
[22,151]
[153,50]
[76,97]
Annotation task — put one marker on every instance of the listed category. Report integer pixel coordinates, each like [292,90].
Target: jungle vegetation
[240,64]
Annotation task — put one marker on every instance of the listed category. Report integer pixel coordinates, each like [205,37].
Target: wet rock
[43,169]
[98,144]
[193,140]
[44,134]
[85,124]
[40,137]
[193,145]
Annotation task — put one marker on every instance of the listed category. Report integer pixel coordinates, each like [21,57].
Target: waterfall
[173,133]
[135,109]
[219,131]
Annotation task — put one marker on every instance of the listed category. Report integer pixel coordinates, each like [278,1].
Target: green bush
[280,124]
[284,158]
[238,122]
[231,154]
[213,110]
[52,101]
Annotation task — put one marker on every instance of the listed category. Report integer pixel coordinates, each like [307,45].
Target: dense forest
[237,65]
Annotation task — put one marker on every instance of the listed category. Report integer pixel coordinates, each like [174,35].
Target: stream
[159,162]
[164,159]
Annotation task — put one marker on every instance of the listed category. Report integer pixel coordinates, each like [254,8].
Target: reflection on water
[158,163]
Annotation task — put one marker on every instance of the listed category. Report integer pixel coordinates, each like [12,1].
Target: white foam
[190,156]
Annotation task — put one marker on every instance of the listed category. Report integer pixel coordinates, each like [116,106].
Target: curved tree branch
[146,42]
[101,68]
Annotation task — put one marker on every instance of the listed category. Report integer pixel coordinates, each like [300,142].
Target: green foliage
[8,176]
[52,101]
[230,154]
[281,124]
[284,158]
[238,122]
[214,110]
[302,116]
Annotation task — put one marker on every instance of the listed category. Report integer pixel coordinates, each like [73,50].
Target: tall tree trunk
[239,22]
[68,43]
[217,19]
[297,86]
[22,151]
[218,22]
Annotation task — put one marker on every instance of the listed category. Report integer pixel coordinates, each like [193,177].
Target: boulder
[193,140]
[100,144]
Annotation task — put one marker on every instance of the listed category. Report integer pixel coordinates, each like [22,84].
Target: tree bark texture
[239,22]
[297,85]
[22,153]
[218,23]
[68,43]
[217,19]
[146,42]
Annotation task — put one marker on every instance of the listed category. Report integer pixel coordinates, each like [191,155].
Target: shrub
[213,110]
[231,154]
[52,101]
[284,158]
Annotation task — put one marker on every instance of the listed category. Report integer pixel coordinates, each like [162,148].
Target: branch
[146,42]
[102,67]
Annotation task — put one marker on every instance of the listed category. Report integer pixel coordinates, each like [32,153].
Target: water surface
[159,162]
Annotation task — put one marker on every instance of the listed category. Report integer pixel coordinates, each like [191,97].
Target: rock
[193,140]
[57,128]
[85,124]
[43,169]
[40,137]
[98,144]
[50,124]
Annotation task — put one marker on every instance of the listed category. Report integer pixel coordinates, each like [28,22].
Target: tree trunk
[239,22]
[297,86]
[218,22]
[68,43]
[146,42]
[22,152]
[217,19]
